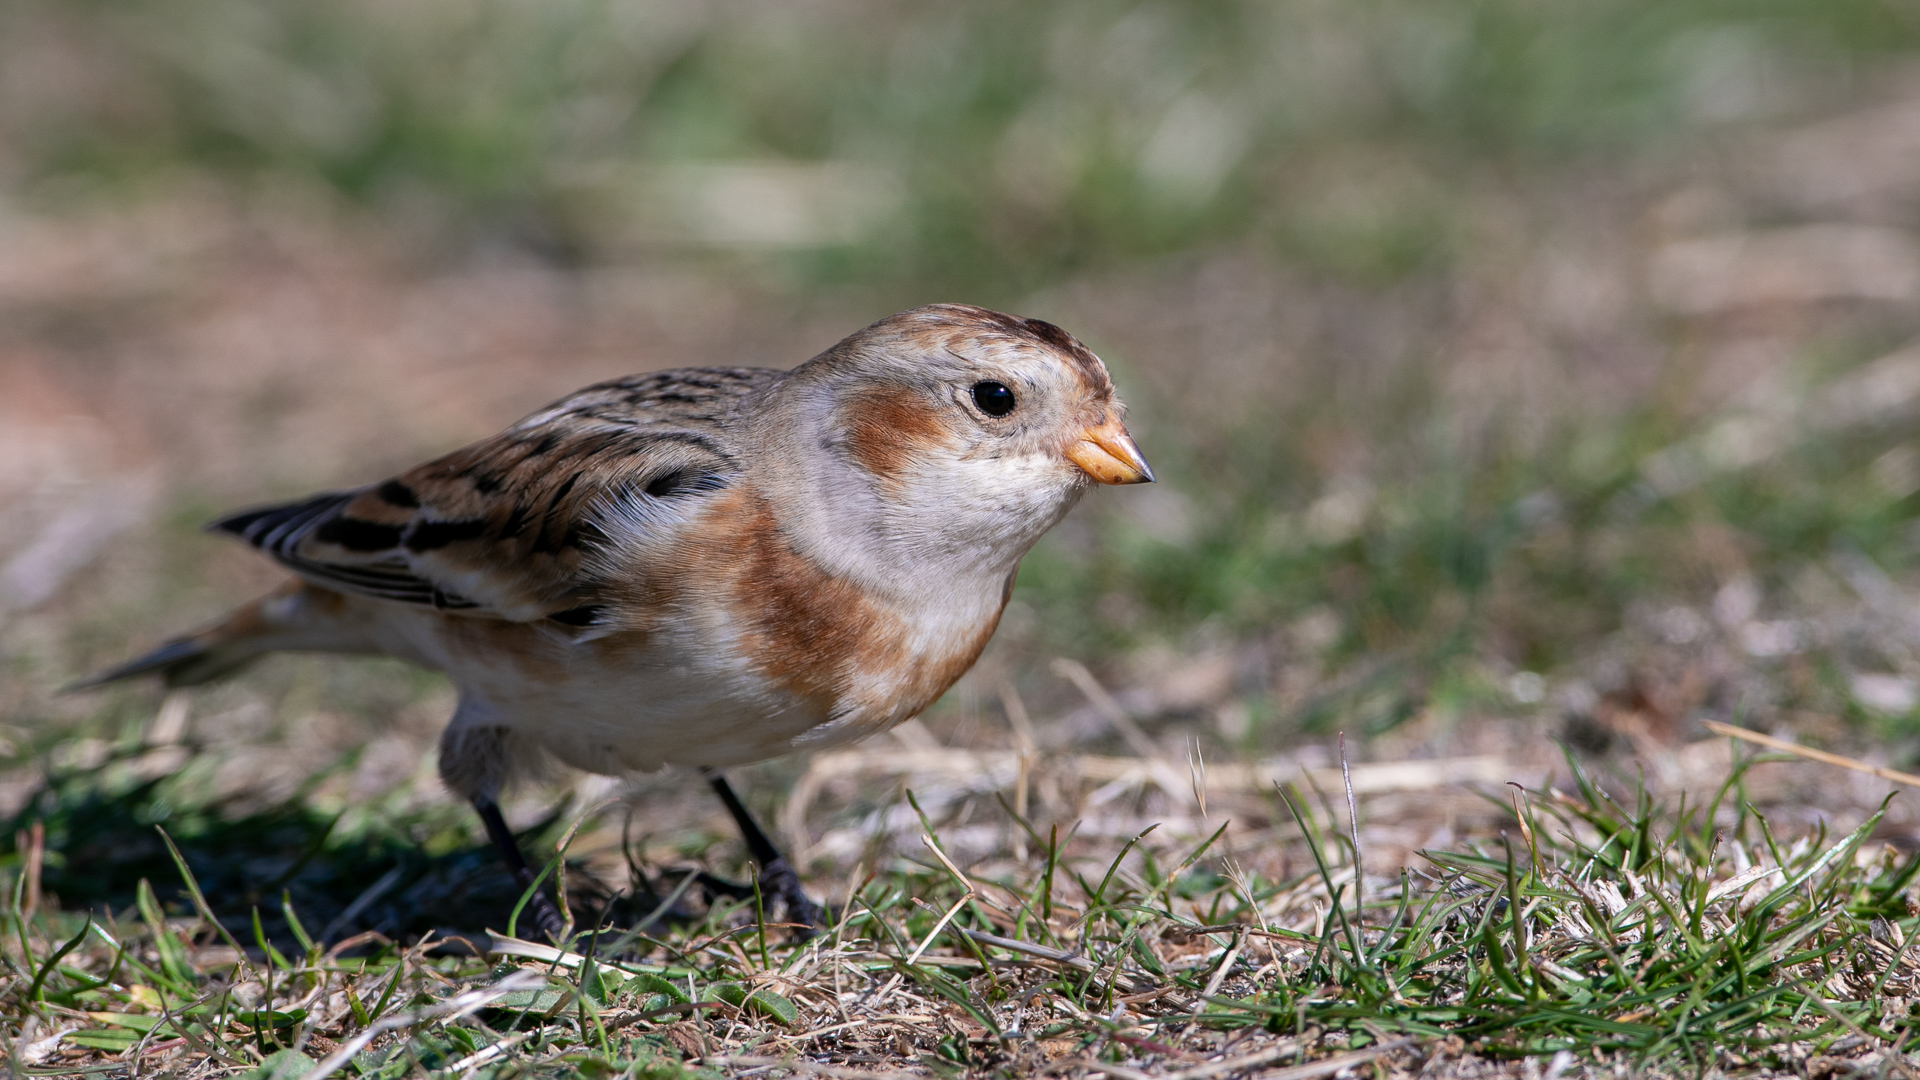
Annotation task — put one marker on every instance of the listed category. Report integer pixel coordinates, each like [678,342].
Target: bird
[702,567]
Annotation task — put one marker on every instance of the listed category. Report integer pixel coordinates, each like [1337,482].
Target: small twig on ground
[1282,1049]
[802,1065]
[1329,1066]
[1353,827]
[1041,951]
[1226,965]
[1808,752]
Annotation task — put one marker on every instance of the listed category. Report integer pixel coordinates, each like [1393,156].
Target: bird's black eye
[993,398]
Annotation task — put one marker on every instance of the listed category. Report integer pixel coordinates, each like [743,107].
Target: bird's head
[967,430]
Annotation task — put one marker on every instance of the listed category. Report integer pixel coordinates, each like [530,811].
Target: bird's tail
[249,632]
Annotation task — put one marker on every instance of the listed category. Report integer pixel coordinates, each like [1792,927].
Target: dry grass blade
[1234,1065]
[1221,972]
[1332,1065]
[1353,829]
[994,769]
[1268,1055]
[1011,945]
[534,950]
[1811,754]
[934,934]
[457,1006]
[488,1053]
[1498,954]
[737,1064]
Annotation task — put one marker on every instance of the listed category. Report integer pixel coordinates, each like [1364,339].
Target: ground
[1488,482]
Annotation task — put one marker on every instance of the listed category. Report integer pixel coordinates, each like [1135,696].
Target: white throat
[956,527]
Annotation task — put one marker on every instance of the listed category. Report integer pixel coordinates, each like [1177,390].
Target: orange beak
[1107,453]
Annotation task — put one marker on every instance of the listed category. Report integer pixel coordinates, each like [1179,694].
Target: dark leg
[777,879]
[545,916]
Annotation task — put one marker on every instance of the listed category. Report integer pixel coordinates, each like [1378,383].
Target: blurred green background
[1501,359]
[990,148]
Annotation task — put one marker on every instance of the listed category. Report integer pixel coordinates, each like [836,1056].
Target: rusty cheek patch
[805,629]
[888,430]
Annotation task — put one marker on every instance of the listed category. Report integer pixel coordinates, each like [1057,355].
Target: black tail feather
[276,529]
[184,661]
[175,658]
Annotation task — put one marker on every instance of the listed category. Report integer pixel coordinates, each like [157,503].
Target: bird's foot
[547,918]
[779,889]
[779,880]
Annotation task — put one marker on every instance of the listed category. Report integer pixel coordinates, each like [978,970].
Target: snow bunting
[705,566]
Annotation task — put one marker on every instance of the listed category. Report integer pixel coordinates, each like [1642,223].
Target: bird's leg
[777,878]
[545,915]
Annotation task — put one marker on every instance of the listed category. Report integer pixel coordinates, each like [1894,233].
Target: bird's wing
[510,527]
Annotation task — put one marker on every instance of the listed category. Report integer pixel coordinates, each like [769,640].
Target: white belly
[684,696]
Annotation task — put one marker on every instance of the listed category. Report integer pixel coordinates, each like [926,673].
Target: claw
[780,886]
[779,879]
[547,918]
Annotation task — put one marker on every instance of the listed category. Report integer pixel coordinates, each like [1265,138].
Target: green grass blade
[40,976]
[199,898]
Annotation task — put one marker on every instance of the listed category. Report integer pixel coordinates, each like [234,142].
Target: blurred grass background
[993,148]
[1501,359]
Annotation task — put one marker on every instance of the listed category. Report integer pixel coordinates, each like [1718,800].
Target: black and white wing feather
[509,526]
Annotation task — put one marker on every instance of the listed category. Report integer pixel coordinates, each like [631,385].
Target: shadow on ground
[102,838]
